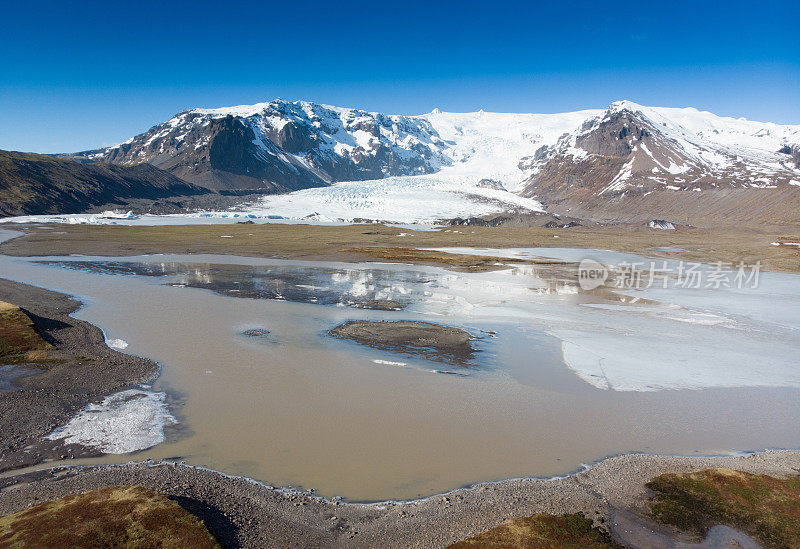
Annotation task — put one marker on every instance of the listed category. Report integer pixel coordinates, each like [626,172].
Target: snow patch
[124,422]
[117,343]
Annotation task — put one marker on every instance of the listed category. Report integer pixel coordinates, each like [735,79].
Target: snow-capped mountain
[631,148]
[281,146]
[430,166]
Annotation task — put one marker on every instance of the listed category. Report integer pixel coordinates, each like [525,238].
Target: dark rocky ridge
[611,143]
[615,136]
[40,184]
[625,151]
[794,151]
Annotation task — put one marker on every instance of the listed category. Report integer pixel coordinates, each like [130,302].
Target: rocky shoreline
[80,370]
[242,513]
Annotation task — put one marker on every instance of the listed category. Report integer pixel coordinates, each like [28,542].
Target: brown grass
[111,517]
[763,507]
[18,337]
[358,242]
[541,531]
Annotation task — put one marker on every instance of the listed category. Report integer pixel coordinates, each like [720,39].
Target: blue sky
[82,75]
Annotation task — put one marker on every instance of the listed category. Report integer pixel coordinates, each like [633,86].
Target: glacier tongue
[411,199]
[491,145]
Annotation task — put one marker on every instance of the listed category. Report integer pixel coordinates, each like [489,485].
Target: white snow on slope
[479,145]
[490,145]
[724,131]
[411,199]
[715,146]
[338,134]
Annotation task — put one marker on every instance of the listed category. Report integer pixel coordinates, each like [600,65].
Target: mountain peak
[625,104]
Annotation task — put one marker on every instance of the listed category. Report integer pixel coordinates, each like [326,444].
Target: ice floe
[124,422]
[117,343]
[389,362]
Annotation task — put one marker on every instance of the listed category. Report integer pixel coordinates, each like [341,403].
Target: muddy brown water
[296,407]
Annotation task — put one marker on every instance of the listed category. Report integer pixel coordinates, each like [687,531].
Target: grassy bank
[762,506]
[542,531]
[110,517]
[371,242]
[19,340]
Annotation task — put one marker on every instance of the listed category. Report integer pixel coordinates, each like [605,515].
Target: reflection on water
[376,289]
[296,407]
[363,288]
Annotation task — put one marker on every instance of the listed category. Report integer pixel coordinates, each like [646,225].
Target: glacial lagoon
[255,386]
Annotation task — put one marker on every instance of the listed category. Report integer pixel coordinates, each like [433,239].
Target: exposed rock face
[557,225]
[281,146]
[793,151]
[630,152]
[491,184]
[496,221]
[661,224]
[615,135]
[611,153]
[40,184]
[294,138]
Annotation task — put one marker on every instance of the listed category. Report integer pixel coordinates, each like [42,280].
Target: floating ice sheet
[124,422]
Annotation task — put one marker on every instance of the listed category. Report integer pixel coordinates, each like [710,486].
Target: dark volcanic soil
[432,341]
[82,368]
